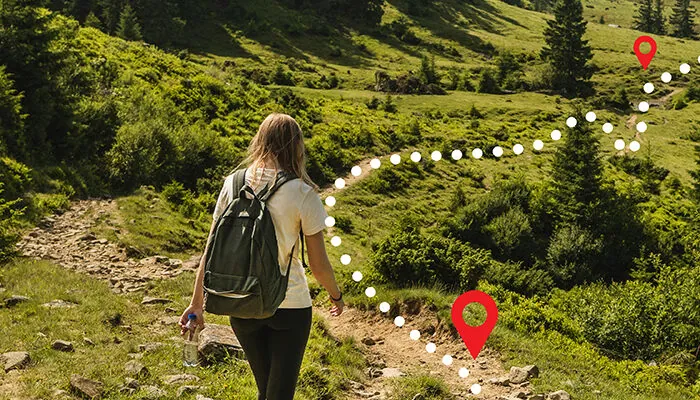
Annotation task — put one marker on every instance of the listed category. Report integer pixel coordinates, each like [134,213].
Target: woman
[275,346]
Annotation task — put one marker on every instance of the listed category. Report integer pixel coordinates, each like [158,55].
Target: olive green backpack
[242,277]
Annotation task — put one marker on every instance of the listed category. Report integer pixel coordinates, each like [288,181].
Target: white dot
[607,127]
[571,122]
[463,372]
[415,156]
[456,154]
[538,145]
[698,59]
[356,170]
[430,347]
[414,335]
[384,307]
[357,276]
[340,183]
[648,87]
[395,159]
[642,127]
[635,146]
[375,163]
[518,149]
[330,201]
[335,241]
[436,155]
[330,221]
[556,134]
[497,151]
[399,321]
[370,292]
[619,144]
[590,116]
[345,259]
[643,106]
[685,68]
[476,388]
[666,77]
[447,359]
[477,153]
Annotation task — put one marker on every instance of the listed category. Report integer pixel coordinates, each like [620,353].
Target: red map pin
[645,59]
[474,336]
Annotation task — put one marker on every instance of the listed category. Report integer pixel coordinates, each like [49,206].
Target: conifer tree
[427,70]
[644,20]
[696,177]
[659,21]
[566,50]
[129,27]
[92,21]
[682,20]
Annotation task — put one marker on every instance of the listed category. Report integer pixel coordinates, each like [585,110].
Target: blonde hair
[279,141]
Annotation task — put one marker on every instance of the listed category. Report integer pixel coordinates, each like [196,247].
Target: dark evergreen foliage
[683,20]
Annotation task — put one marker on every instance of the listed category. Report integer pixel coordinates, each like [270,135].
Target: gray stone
[180,378]
[135,368]
[62,345]
[14,300]
[86,387]
[368,341]
[15,360]
[153,392]
[559,395]
[185,390]
[216,342]
[517,375]
[154,300]
[59,304]
[532,371]
[502,381]
[391,373]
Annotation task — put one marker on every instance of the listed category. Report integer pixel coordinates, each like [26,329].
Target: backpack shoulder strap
[237,183]
[282,178]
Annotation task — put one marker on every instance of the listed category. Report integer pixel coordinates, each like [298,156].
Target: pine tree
[659,21]
[129,27]
[567,51]
[644,20]
[696,177]
[427,70]
[111,10]
[682,22]
[92,21]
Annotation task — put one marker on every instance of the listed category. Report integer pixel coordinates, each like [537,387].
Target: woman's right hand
[192,309]
[337,308]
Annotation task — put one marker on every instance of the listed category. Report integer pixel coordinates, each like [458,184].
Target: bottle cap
[192,316]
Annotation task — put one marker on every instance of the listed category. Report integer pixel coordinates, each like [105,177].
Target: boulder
[62,345]
[517,375]
[216,342]
[86,387]
[502,381]
[559,395]
[14,300]
[153,392]
[532,371]
[136,369]
[180,378]
[14,360]
[154,300]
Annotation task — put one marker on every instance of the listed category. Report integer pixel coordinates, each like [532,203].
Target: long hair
[279,142]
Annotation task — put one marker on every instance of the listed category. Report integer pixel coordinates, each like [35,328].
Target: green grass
[31,327]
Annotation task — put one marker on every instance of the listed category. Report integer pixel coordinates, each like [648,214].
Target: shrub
[389,105]
[572,254]
[282,77]
[15,177]
[386,180]
[487,82]
[9,223]
[344,224]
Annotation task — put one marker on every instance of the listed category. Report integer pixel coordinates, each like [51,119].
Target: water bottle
[189,353]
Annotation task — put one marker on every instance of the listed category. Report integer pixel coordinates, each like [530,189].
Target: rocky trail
[66,240]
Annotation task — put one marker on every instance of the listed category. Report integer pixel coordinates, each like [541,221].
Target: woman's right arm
[322,270]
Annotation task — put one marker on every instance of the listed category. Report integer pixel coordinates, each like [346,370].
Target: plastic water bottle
[189,352]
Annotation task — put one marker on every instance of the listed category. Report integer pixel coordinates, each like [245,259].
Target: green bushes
[9,222]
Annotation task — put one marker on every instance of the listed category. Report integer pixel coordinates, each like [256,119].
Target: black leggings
[274,348]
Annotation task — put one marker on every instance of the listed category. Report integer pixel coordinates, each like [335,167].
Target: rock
[558,395]
[216,342]
[185,390]
[131,383]
[15,360]
[517,375]
[180,378]
[59,304]
[153,392]
[521,394]
[148,347]
[14,300]
[154,300]
[170,310]
[418,396]
[391,373]
[200,397]
[86,387]
[135,368]
[161,259]
[368,341]
[502,381]
[175,263]
[62,345]
[532,371]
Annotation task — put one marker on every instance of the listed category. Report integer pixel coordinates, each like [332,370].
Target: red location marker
[474,336]
[645,59]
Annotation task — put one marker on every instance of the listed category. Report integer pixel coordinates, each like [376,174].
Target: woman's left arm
[197,303]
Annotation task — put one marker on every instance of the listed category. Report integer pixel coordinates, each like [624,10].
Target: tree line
[650,18]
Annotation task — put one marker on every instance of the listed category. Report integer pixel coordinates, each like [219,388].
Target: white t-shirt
[293,206]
